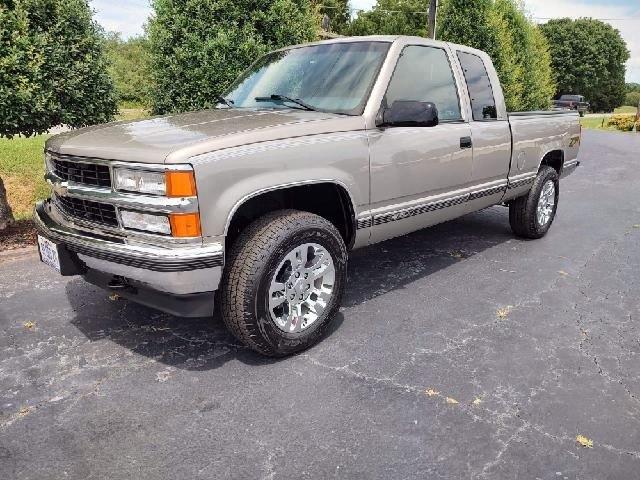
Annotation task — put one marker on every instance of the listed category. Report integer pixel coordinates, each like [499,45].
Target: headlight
[140,181]
[145,221]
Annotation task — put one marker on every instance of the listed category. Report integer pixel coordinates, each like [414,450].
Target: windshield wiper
[227,101]
[283,98]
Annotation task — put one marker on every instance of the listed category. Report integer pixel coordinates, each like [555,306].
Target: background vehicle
[315,150]
[572,102]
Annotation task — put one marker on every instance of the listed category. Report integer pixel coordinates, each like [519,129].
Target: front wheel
[283,282]
[531,215]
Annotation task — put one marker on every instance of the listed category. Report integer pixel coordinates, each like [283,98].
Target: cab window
[483,103]
[424,74]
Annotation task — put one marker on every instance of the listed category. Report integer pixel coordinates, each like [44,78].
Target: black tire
[252,263]
[522,210]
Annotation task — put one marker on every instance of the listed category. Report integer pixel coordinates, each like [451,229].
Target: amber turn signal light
[185,225]
[180,184]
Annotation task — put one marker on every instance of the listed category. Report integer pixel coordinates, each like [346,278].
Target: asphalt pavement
[460,352]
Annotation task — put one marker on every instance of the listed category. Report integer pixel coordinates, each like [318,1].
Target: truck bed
[540,134]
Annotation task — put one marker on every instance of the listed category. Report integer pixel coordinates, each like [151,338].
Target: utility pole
[431,27]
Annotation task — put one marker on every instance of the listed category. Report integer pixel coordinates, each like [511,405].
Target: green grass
[625,109]
[22,167]
[601,122]
[22,171]
[132,113]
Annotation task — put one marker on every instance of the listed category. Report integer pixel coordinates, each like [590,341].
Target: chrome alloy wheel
[546,203]
[301,288]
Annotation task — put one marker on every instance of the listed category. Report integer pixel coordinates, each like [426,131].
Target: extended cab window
[483,103]
[424,74]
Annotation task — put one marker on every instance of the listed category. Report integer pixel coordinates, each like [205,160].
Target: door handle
[466,142]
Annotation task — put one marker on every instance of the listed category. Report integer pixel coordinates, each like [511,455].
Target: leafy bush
[199,47]
[589,59]
[52,67]
[624,123]
[130,69]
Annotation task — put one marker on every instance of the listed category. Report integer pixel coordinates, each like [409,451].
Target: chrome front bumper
[177,269]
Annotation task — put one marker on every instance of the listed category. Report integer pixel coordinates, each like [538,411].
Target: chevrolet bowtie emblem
[60,188]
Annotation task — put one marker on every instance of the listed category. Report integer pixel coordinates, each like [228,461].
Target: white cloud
[125,16]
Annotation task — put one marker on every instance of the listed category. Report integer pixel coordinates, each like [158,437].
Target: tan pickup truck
[315,150]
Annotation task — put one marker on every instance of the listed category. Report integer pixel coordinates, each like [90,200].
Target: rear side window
[483,103]
[424,74]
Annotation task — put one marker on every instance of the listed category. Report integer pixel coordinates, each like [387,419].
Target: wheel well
[554,159]
[328,200]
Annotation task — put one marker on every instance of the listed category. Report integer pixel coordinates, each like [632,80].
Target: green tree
[129,67]
[469,23]
[514,43]
[498,27]
[632,99]
[392,17]
[52,70]
[589,59]
[522,58]
[199,47]
[338,12]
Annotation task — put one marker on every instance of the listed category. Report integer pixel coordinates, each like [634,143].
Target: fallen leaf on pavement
[452,401]
[113,296]
[477,401]
[563,273]
[504,312]
[431,392]
[584,441]
[24,411]
[29,325]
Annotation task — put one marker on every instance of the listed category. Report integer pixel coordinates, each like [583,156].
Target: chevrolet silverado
[315,150]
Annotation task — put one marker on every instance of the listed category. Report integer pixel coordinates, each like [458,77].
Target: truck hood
[175,138]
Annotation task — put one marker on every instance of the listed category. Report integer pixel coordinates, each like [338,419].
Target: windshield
[334,77]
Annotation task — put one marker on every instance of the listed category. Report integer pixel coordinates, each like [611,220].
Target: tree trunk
[6,215]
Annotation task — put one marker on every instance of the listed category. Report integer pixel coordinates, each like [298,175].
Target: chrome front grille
[88,211]
[95,174]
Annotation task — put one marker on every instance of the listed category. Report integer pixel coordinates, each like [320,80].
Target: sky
[129,16]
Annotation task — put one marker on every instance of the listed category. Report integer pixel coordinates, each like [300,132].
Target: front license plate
[49,253]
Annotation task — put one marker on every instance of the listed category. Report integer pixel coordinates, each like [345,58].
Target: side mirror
[408,113]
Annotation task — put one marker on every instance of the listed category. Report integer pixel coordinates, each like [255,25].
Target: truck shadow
[204,343]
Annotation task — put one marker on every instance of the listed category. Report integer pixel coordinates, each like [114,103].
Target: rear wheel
[283,282]
[531,215]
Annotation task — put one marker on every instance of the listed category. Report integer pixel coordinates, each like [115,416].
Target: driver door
[416,171]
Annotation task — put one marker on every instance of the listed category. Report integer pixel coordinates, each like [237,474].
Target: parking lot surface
[460,352]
